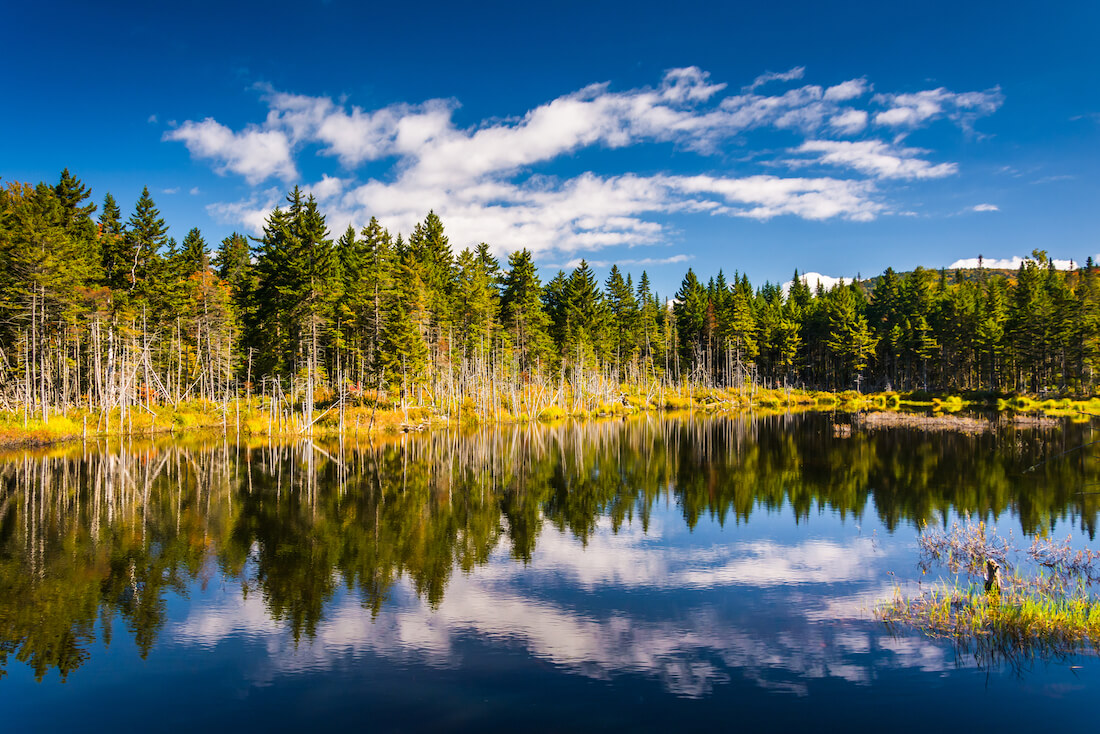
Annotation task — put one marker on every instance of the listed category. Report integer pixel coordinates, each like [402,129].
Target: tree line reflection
[96,538]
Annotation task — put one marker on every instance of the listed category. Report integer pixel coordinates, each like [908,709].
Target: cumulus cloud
[985,208]
[254,153]
[484,180]
[327,188]
[876,158]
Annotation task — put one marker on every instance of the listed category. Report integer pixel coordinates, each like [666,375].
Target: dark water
[647,574]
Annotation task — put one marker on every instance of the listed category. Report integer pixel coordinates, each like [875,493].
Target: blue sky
[750,137]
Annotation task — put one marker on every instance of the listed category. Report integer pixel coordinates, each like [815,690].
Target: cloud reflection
[777,637]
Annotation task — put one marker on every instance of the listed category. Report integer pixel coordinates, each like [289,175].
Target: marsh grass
[1043,607]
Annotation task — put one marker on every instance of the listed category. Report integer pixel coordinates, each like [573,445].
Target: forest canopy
[93,305]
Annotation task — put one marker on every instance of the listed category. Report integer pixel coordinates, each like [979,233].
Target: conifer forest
[103,311]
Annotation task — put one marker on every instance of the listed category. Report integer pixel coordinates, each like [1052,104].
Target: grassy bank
[253,417]
[1003,603]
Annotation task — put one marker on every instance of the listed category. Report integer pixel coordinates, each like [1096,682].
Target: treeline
[104,313]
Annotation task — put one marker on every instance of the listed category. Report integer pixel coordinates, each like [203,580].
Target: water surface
[643,574]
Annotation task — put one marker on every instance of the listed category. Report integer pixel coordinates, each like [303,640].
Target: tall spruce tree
[523,312]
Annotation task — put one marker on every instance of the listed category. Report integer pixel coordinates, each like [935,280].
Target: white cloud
[251,212]
[781,76]
[254,153]
[849,121]
[688,648]
[847,90]
[985,208]
[764,197]
[690,84]
[327,188]
[483,180]
[813,280]
[622,263]
[876,158]
[172,190]
[911,110]
[194,191]
[1006,263]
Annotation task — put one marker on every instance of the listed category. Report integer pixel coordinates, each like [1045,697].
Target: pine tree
[585,317]
[111,246]
[404,352]
[233,264]
[850,338]
[740,327]
[649,311]
[71,194]
[523,313]
[432,250]
[691,317]
[143,238]
[194,254]
[556,306]
[623,316]
[378,274]
[479,300]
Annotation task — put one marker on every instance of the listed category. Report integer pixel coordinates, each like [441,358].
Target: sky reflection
[757,608]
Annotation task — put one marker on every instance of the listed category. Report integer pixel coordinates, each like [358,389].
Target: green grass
[1044,608]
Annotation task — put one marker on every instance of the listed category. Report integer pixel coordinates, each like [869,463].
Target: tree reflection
[91,537]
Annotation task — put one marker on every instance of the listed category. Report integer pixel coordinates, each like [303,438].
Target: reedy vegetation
[115,317]
[1042,606]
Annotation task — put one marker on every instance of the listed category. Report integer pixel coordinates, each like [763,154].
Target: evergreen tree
[648,313]
[143,238]
[584,317]
[623,316]
[111,245]
[432,250]
[71,194]
[691,317]
[194,254]
[404,352]
[523,314]
[555,303]
[740,329]
[378,260]
[850,339]
[478,296]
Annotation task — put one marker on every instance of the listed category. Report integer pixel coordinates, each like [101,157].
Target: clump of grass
[552,413]
[1042,606]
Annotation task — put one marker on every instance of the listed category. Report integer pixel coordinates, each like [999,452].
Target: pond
[649,573]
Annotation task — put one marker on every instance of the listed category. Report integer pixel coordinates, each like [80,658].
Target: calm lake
[646,574]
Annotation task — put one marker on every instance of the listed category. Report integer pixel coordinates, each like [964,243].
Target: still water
[650,574]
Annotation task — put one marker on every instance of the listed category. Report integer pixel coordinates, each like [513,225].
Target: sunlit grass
[1042,607]
[371,411]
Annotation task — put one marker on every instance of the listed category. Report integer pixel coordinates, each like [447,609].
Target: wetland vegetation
[109,326]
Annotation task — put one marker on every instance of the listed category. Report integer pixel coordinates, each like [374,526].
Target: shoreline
[252,417]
